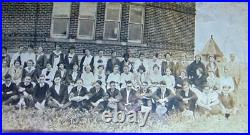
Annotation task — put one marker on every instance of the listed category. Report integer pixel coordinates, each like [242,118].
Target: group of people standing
[100,83]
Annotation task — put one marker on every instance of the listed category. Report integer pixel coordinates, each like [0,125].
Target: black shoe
[227,115]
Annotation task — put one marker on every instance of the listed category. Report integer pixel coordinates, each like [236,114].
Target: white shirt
[29,56]
[70,57]
[114,77]
[100,61]
[128,92]
[100,76]
[74,75]
[152,63]
[170,81]
[57,88]
[227,81]
[87,60]
[138,62]
[88,78]
[126,77]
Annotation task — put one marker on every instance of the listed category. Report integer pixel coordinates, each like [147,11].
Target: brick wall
[168,27]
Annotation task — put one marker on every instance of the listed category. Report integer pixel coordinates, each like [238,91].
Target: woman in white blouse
[88,77]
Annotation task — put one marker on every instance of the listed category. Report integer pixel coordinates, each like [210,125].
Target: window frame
[53,17]
[118,22]
[142,23]
[82,18]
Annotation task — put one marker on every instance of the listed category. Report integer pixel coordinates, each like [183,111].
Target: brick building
[139,27]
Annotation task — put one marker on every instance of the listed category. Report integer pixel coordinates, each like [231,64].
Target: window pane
[111,30]
[87,10]
[61,9]
[113,11]
[136,13]
[60,26]
[86,28]
[135,32]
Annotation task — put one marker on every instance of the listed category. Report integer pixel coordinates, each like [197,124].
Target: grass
[74,120]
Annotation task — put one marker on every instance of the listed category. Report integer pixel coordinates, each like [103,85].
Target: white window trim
[119,23]
[142,25]
[94,26]
[52,25]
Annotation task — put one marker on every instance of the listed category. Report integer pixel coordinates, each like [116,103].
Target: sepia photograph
[141,67]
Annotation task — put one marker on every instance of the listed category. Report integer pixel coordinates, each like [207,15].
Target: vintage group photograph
[125,67]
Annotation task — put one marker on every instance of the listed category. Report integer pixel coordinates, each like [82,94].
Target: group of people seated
[106,84]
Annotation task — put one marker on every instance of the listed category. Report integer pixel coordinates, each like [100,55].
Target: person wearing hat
[57,94]
[98,97]
[191,69]
[9,91]
[130,99]
[71,58]
[212,65]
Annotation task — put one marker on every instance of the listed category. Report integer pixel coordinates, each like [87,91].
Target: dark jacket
[62,97]
[40,93]
[41,62]
[133,96]
[91,63]
[96,95]
[69,78]
[165,65]
[191,69]
[69,65]
[111,63]
[52,58]
[29,88]
[12,89]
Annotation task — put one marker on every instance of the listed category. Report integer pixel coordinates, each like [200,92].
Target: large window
[112,21]
[87,19]
[60,19]
[136,21]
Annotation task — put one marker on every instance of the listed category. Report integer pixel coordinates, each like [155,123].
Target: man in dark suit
[98,97]
[9,91]
[57,94]
[114,96]
[129,99]
[40,93]
[79,97]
